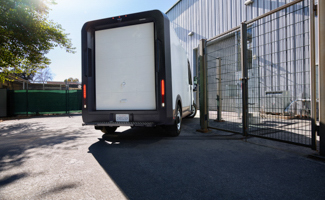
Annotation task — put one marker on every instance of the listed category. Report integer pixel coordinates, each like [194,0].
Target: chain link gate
[223,84]
[279,76]
[258,77]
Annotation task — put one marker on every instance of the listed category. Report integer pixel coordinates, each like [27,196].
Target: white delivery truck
[135,73]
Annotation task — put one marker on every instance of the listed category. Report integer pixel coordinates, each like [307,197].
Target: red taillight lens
[162,87]
[163,93]
[84,91]
[85,95]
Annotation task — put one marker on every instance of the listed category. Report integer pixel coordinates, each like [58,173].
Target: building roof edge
[172,6]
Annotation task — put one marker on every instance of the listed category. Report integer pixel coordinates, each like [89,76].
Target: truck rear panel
[126,71]
[125,68]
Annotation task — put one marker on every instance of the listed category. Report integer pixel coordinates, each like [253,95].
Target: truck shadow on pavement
[145,164]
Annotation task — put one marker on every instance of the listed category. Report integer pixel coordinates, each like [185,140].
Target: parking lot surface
[57,158]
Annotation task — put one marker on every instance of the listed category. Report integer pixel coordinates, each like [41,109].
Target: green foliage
[71,80]
[26,35]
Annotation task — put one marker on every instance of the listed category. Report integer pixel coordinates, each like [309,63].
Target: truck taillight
[163,93]
[85,95]
[84,90]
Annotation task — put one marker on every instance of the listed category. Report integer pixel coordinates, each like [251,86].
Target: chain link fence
[258,77]
[279,75]
[223,84]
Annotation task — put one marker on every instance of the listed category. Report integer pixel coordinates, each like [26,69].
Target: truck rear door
[125,68]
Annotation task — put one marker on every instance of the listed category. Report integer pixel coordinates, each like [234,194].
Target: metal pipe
[274,11]
[321,68]
[222,34]
[312,73]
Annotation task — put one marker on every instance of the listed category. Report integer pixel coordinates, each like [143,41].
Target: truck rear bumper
[136,118]
[143,124]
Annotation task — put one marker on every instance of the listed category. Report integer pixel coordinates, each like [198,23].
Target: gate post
[219,91]
[26,94]
[312,73]
[66,101]
[244,79]
[203,87]
[321,67]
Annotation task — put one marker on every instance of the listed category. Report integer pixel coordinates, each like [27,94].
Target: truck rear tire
[175,129]
[108,129]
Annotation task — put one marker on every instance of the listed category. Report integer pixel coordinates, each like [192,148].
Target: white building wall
[209,18]
[282,70]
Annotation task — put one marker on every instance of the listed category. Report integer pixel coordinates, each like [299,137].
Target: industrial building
[268,46]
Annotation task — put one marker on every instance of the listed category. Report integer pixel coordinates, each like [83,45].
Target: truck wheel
[175,130]
[108,129]
[194,109]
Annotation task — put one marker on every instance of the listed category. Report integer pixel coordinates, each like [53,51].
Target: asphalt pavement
[57,158]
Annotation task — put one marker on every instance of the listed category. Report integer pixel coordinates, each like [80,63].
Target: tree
[43,75]
[71,80]
[27,73]
[26,35]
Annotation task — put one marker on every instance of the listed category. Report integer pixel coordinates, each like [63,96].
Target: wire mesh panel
[223,83]
[279,75]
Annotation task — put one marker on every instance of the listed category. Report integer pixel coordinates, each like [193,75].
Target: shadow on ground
[20,137]
[146,165]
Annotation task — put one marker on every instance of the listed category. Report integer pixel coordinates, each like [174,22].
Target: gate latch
[244,78]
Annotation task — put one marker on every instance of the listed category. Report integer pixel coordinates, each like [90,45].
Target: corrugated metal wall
[208,18]
[278,64]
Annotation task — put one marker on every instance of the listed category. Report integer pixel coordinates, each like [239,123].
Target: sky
[72,14]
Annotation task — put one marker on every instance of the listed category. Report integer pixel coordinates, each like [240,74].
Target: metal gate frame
[204,113]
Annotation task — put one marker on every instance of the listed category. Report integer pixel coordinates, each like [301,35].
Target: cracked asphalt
[57,158]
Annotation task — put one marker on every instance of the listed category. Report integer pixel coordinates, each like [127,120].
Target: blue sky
[72,14]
